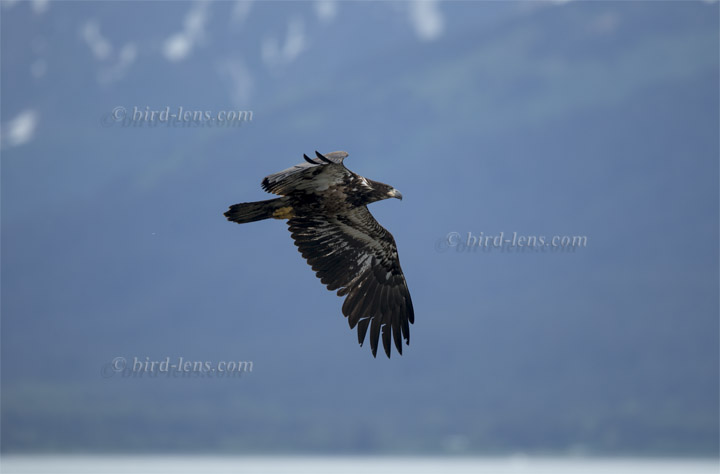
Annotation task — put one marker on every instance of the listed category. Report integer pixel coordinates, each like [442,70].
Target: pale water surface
[349,465]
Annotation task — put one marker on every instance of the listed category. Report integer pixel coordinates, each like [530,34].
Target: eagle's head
[380,191]
[394,193]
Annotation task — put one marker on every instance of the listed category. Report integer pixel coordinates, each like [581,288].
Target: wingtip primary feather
[386,339]
[362,328]
[323,157]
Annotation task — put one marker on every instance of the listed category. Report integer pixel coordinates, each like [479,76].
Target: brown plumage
[326,208]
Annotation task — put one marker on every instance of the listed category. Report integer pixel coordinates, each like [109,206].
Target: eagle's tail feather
[253,211]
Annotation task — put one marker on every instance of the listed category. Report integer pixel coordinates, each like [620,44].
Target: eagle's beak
[396,194]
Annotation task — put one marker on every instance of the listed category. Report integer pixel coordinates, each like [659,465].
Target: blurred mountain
[597,119]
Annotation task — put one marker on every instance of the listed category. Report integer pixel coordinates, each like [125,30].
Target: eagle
[325,205]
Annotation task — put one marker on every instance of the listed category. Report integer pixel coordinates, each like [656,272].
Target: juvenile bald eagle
[325,205]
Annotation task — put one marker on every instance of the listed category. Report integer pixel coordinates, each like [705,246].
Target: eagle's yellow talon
[283,213]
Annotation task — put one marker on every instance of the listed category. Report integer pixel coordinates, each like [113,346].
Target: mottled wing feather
[336,156]
[356,256]
[307,176]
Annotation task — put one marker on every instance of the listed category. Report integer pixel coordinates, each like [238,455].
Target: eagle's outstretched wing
[313,174]
[352,253]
